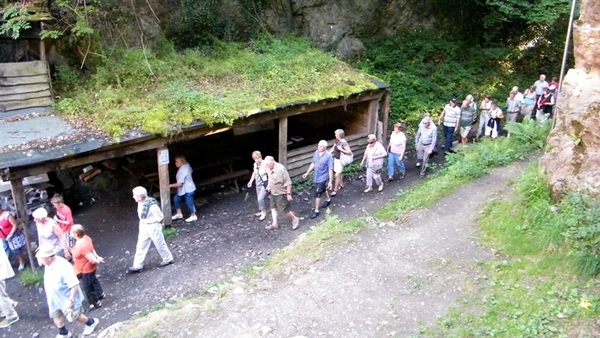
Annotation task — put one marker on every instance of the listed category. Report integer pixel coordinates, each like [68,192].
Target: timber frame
[376,117]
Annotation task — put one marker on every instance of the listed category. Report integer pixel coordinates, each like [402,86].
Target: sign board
[163,156]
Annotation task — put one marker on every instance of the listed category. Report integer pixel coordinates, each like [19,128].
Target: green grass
[162,91]
[533,287]
[29,277]
[169,232]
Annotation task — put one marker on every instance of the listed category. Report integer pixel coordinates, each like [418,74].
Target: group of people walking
[536,102]
[66,285]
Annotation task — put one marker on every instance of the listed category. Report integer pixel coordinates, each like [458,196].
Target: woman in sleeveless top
[259,175]
[50,232]
[339,145]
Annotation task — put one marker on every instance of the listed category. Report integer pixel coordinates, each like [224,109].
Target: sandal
[368,189]
[390,178]
[333,193]
[272,226]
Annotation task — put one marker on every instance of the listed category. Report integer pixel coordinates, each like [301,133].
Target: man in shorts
[280,188]
[322,163]
[64,297]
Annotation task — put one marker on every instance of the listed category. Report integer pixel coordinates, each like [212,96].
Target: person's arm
[252,177]
[73,291]
[310,168]
[155,215]
[457,123]
[93,258]
[61,235]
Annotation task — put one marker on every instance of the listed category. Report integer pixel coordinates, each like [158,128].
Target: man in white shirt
[150,231]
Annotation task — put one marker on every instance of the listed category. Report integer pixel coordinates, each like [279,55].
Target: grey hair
[269,159]
[469,97]
[340,133]
[140,192]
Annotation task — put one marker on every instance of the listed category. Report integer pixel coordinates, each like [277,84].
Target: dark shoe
[452,151]
[165,263]
[95,306]
[390,178]
[402,176]
[327,203]
[134,270]
[315,214]
[102,296]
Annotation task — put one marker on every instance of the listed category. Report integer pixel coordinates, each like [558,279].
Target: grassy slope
[162,91]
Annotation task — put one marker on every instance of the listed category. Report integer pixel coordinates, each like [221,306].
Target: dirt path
[389,282]
[391,279]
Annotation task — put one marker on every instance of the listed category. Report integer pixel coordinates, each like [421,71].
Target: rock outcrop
[331,23]
[572,161]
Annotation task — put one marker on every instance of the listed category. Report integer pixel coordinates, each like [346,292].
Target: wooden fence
[24,85]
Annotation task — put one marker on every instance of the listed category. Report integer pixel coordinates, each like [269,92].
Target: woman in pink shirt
[396,149]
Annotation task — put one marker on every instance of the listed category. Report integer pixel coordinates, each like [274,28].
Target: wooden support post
[22,216]
[384,115]
[163,182]
[372,116]
[42,51]
[283,138]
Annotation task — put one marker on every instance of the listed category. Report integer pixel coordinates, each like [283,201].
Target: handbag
[346,159]
[378,167]
[17,241]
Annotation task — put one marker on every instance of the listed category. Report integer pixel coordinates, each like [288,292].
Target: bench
[225,177]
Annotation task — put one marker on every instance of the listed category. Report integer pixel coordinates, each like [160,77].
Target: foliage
[30,277]
[531,288]
[493,22]
[169,232]
[14,21]
[138,89]
[529,132]
[200,23]
[426,68]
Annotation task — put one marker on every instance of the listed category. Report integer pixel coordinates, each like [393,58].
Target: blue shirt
[323,163]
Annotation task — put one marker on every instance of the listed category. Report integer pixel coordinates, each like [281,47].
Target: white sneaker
[191,219]
[177,216]
[68,335]
[89,329]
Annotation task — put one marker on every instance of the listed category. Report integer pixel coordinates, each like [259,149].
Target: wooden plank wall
[299,159]
[24,85]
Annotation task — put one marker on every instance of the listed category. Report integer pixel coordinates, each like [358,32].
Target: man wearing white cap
[150,231]
[322,163]
[64,297]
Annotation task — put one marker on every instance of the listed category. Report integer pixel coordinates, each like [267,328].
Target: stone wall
[572,161]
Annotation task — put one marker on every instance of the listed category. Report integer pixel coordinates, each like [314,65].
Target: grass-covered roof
[161,91]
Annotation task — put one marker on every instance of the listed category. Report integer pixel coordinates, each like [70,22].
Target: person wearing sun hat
[63,295]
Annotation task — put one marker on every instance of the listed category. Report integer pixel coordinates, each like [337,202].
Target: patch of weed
[169,232]
[30,277]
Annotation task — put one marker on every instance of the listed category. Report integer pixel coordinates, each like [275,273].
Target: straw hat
[45,250]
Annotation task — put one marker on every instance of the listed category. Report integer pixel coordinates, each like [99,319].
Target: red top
[81,248]
[6,226]
[63,213]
